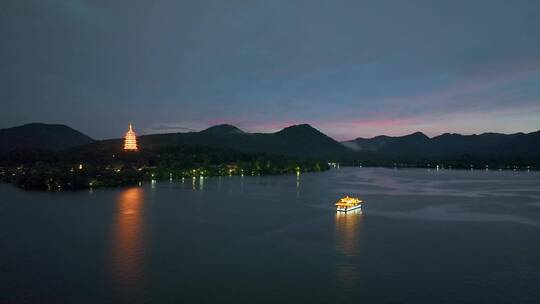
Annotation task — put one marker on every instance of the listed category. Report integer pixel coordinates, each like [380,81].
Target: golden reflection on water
[347,229]
[297,185]
[127,241]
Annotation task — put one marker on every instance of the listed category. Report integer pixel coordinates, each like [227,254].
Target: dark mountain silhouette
[222,130]
[298,140]
[451,146]
[302,141]
[49,137]
[384,143]
[305,140]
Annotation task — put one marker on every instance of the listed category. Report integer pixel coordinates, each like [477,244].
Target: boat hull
[349,209]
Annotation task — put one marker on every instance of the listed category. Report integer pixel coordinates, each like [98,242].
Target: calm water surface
[423,237]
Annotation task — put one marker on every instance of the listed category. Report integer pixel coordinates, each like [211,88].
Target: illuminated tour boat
[130,141]
[348,203]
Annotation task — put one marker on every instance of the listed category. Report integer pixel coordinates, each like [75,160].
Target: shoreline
[159,178]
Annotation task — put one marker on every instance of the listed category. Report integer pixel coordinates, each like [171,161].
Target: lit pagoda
[130,141]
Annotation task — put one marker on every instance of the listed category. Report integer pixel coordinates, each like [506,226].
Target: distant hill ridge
[526,145]
[50,137]
[298,140]
[223,129]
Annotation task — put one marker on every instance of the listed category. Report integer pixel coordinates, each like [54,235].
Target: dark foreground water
[423,237]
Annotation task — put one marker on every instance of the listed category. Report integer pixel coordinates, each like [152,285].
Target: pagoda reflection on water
[130,140]
[127,243]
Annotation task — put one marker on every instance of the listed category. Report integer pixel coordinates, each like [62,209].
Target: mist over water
[422,237]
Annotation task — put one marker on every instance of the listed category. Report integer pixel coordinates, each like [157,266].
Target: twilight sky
[349,68]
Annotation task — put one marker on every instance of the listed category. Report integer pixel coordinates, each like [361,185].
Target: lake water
[423,237]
